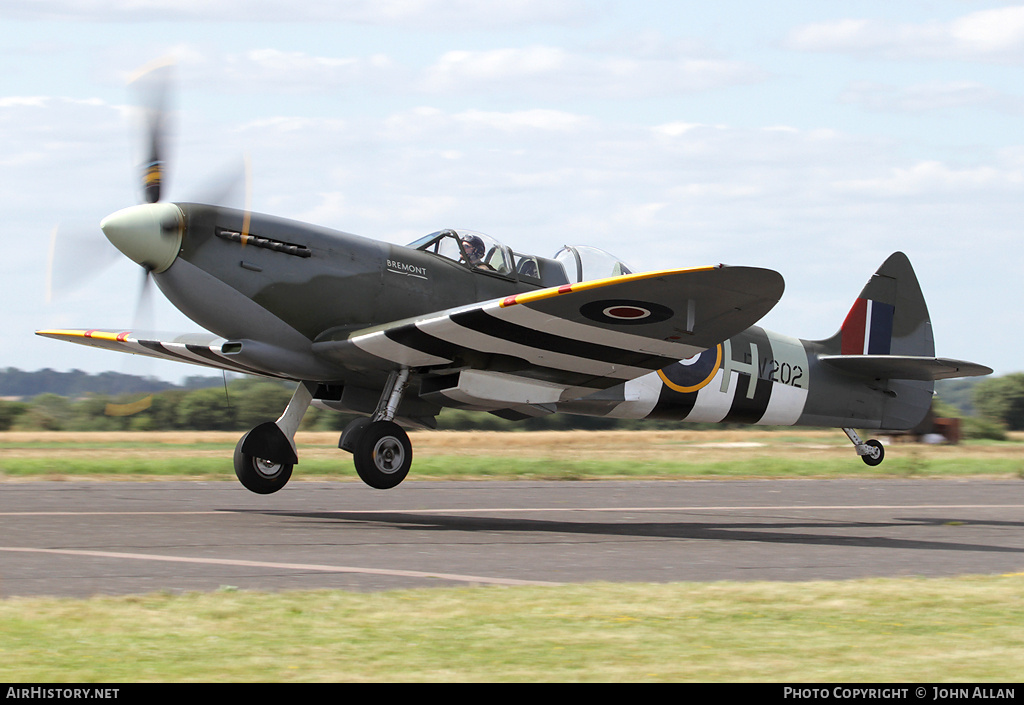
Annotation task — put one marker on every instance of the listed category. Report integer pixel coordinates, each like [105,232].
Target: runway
[80,539]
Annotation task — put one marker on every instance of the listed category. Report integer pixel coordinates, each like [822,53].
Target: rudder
[889,317]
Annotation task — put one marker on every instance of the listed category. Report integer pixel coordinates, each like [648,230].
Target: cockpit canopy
[584,263]
[485,254]
[469,247]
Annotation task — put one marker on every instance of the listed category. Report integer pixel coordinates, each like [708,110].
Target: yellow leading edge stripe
[594,284]
[111,409]
[97,334]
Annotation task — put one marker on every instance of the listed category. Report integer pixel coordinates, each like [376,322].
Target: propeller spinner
[148,234]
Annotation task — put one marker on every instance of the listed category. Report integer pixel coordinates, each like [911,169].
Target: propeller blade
[143,320]
[75,258]
[232,187]
[151,85]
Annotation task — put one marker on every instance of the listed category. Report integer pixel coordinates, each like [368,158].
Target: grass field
[907,630]
[968,629]
[533,455]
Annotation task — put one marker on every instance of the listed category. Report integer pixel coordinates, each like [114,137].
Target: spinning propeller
[149,233]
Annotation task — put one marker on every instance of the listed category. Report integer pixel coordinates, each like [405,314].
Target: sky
[807,137]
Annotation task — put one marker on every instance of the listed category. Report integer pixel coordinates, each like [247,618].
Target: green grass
[783,454]
[470,467]
[892,630]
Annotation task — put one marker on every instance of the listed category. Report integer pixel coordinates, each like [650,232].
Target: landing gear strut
[265,455]
[871,452]
[380,448]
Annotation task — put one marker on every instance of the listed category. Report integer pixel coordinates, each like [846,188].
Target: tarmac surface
[86,538]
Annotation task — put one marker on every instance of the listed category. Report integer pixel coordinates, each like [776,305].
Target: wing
[202,349]
[564,342]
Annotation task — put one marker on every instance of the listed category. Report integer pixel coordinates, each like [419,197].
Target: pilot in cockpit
[474,249]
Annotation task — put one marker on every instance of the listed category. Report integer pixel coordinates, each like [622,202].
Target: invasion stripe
[483,322]
[532,318]
[712,405]
[412,337]
[673,405]
[744,410]
[453,332]
[207,354]
[158,347]
[388,347]
[219,362]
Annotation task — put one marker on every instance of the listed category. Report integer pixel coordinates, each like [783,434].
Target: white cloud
[935,95]
[934,179]
[987,35]
[537,119]
[990,32]
[528,73]
[436,14]
[293,70]
[555,71]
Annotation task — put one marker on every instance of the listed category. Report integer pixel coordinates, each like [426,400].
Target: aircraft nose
[148,234]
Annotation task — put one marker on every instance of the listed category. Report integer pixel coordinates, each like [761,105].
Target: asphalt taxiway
[86,538]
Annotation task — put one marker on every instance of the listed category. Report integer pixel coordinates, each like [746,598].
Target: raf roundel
[694,373]
[626,313]
[622,312]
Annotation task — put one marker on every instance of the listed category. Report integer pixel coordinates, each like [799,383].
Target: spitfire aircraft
[458,319]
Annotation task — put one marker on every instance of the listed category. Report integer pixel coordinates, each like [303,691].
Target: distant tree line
[76,383]
[988,407]
[237,406]
[1002,399]
[242,404]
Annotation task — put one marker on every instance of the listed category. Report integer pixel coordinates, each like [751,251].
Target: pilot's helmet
[474,248]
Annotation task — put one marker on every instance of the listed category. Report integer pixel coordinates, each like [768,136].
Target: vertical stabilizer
[889,317]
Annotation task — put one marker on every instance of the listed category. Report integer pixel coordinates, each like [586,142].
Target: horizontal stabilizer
[904,366]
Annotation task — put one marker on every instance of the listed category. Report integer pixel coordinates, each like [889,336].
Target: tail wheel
[383,455]
[875,454]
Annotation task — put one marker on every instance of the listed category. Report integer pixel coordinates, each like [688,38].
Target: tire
[383,455]
[259,475]
[876,456]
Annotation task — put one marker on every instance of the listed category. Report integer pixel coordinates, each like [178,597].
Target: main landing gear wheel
[258,474]
[382,454]
[875,454]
